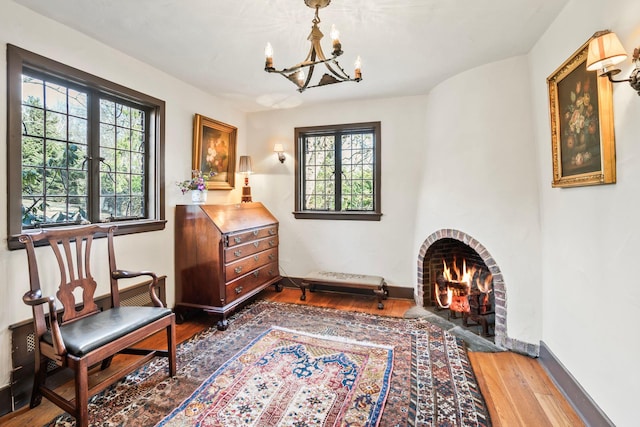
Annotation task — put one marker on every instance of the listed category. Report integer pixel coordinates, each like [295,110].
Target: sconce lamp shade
[604,51]
[278,148]
[245,164]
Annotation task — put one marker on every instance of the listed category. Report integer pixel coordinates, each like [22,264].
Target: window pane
[122,184]
[56,98]
[107,112]
[32,91]
[107,135]
[124,138]
[123,161]
[77,130]
[56,125]
[78,103]
[32,181]
[32,151]
[32,121]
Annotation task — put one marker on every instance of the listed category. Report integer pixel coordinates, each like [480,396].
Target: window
[351,193]
[80,149]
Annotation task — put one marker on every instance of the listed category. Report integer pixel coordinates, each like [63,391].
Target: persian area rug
[291,378]
[431,382]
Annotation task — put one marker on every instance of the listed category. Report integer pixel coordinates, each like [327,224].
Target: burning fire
[470,277]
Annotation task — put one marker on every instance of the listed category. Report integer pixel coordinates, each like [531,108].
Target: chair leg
[82,394]
[171,348]
[38,381]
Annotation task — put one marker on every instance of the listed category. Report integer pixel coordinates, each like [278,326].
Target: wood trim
[584,405]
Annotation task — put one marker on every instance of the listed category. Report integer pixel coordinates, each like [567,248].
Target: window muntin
[93,150]
[354,192]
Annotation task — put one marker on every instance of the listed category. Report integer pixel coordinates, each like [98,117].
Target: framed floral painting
[214,152]
[582,136]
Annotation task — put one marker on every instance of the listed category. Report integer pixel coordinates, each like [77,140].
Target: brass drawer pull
[272,242]
[237,239]
[256,244]
[256,257]
[271,272]
[256,273]
[272,231]
[272,257]
[238,269]
[255,232]
[238,289]
[237,253]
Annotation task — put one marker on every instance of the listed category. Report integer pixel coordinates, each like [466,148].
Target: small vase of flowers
[197,185]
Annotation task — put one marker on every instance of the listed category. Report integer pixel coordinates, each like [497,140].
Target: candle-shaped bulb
[335,36]
[300,76]
[268,53]
[358,66]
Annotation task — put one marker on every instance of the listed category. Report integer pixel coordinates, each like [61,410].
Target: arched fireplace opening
[457,276]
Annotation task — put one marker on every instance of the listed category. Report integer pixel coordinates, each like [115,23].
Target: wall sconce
[605,50]
[278,148]
[245,168]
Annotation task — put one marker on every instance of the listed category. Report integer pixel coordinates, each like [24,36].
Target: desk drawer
[250,281]
[235,239]
[251,262]
[240,251]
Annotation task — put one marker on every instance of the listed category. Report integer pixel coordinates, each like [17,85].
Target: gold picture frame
[582,134]
[214,150]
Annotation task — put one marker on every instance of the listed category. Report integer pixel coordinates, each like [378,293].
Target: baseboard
[5,400]
[583,404]
[394,291]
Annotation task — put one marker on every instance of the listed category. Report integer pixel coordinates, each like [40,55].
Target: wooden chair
[83,336]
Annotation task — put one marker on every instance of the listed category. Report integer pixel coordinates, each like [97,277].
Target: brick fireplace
[448,244]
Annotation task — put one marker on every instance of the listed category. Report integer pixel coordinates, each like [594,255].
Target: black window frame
[300,134]
[19,60]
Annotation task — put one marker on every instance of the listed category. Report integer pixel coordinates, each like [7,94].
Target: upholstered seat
[89,333]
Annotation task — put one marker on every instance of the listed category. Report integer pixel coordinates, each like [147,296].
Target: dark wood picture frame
[214,149]
[582,134]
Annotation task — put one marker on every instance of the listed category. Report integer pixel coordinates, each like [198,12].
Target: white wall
[479,167]
[590,235]
[370,247]
[472,155]
[153,251]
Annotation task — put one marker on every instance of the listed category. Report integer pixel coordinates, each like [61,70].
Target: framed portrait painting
[582,135]
[214,152]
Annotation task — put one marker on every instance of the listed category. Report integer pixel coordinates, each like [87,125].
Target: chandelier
[296,73]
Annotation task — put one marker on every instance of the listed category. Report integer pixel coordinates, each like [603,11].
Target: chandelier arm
[340,73]
[299,66]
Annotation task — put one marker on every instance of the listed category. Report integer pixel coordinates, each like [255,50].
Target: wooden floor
[516,388]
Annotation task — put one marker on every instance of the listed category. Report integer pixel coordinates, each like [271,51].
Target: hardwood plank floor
[516,388]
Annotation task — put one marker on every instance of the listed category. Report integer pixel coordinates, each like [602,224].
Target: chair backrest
[72,250]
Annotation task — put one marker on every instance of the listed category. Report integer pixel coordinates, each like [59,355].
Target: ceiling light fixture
[296,73]
[605,50]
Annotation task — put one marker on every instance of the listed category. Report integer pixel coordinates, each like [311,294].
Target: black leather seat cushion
[85,335]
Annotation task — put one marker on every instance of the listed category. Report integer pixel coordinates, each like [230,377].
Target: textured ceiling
[407,46]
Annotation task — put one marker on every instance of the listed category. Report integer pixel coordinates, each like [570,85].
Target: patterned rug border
[133,397]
